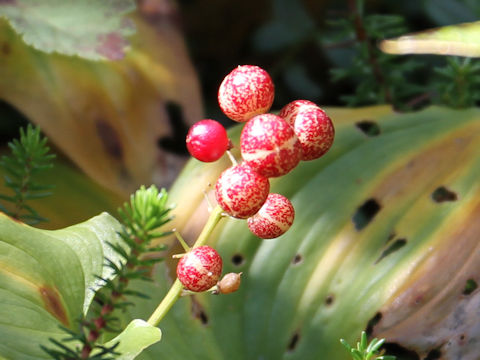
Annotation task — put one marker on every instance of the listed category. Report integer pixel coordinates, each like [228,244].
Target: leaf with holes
[123,123]
[47,278]
[95,30]
[460,40]
[385,240]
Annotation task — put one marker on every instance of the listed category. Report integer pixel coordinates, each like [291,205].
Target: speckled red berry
[241,191]
[207,140]
[289,111]
[312,126]
[199,269]
[229,283]
[246,91]
[269,145]
[273,219]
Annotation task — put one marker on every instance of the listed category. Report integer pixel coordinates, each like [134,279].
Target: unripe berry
[273,219]
[207,140]
[199,269]
[312,126]
[246,91]
[269,145]
[240,191]
[229,283]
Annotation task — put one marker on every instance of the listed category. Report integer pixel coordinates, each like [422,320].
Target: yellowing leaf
[109,117]
[461,40]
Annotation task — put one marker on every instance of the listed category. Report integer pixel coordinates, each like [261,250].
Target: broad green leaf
[46,280]
[119,122]
[91,29]
[134,339]
[385,239]
[461,40]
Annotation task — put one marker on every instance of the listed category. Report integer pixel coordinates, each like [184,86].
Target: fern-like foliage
[378,78]
[142,217]
[457,83]
[365,350]
[29,156]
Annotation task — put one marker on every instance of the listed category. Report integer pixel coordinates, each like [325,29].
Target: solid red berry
[199,269]
[273,219]
[240,191]
[313,127]
[269,145]
[207,140]
[246,91]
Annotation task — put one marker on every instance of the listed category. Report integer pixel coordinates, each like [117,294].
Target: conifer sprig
[147,211]
[365,350]
[29,156]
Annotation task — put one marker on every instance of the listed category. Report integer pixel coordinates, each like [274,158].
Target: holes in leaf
[397,245]
[365,213]
[368,127]
[297,259]
[198,312]
[175,142]
[372,322]
[442,194]
[293,341]
[400,352]
[329,299]
[238,259]
[434,354]
[470,286]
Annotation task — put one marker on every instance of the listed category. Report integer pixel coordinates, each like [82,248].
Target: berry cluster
[270,145]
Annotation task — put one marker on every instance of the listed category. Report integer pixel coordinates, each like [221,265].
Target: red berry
[289,111]
[269,145]
[229,283]
[312,126]
[247,91]
[207,140]
[199,269]
[240,191]
[273,219]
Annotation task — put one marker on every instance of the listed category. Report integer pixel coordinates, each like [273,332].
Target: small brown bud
[229,283]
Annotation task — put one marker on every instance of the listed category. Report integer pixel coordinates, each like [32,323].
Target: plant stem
[177,287]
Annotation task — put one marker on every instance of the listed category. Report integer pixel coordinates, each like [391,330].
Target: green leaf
[91,29]
[461,40]
[46,280]
[137,336]
[319,282]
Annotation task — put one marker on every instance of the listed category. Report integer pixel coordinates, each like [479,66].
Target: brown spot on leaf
[110,139]
[8,2]
[111,46]
[53,304]
[5,48]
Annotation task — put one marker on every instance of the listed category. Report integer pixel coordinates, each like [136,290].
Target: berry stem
[177,287]
[181,240]
[232,158]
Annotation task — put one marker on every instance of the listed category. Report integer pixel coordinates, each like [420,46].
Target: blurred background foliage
[132,115]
